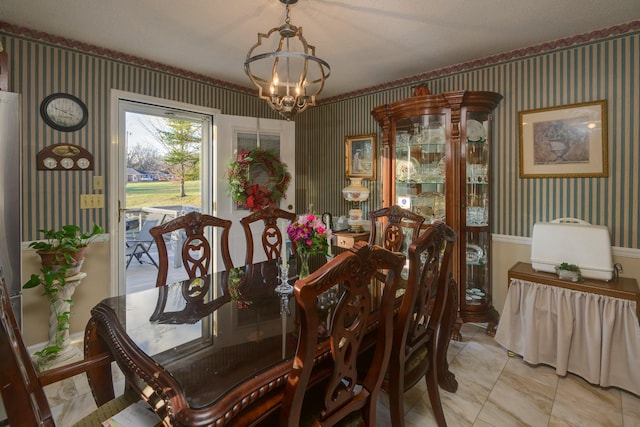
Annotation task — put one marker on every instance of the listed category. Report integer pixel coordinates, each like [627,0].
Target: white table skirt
[594,336]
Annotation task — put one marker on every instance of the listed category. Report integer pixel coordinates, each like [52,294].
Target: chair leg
[431,378]
[369,414]
[446,378]
[396,394]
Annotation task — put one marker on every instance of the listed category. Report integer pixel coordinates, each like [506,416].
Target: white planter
[572,276]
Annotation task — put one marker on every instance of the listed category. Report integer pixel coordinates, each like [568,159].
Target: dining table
[209,351]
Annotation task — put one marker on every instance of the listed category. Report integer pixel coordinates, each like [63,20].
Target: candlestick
[284,334]
[284,289]
[285,253]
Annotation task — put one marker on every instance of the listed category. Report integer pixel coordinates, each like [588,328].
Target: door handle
[120,210]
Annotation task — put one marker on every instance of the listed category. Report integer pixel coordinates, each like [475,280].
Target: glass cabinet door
[420,165]
[476,209]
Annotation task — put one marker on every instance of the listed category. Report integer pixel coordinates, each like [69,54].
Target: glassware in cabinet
[475,302]
[420,165]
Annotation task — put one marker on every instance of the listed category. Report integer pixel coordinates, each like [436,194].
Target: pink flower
[309,234]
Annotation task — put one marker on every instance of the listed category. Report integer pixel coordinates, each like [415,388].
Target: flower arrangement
[257,196]
[311,237]
[309,234]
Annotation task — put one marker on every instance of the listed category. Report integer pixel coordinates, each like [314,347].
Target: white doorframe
[117,171]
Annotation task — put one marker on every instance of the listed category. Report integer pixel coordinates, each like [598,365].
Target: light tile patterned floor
[495,390]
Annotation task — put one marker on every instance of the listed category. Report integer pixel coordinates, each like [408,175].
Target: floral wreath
[257,196]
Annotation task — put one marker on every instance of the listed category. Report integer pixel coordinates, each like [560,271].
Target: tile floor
[495,390]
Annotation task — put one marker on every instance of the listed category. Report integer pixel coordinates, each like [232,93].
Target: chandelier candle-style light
[285,69]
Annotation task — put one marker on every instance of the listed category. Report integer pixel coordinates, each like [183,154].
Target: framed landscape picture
[360,156]
[565,141]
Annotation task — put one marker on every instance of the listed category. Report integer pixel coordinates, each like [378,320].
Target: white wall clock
[64,112]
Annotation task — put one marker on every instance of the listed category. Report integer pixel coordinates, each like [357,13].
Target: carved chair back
[392,220]
[195,249]
[418,323]
[272,240]
[342,391]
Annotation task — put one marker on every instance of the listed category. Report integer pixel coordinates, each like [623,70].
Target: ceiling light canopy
[285,69]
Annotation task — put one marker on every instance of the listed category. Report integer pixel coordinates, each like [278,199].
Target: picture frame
[360,156]
[564,141]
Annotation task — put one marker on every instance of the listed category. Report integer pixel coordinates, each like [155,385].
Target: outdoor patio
[143,276]
[141,273]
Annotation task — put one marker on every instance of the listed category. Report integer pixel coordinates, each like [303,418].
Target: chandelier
[285,69]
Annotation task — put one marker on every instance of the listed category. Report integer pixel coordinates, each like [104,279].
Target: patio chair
[140,245]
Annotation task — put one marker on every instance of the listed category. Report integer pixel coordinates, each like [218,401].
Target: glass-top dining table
[213,350]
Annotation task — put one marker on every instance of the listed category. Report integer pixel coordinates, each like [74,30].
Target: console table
[588,328]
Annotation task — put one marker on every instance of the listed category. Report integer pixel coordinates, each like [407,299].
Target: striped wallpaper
[604,64]
[37,69]
[605,69]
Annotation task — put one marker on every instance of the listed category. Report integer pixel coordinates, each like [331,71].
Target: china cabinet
[436,162]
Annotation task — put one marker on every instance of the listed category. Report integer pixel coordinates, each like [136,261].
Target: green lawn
[161,193]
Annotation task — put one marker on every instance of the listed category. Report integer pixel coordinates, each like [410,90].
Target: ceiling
[366,42]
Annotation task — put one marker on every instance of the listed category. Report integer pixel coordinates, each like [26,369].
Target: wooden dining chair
[393,220]
[333,392]
[22,385]
[196,249]
[271,238]
[420,341]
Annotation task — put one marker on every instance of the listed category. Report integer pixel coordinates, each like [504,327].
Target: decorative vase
[303,271]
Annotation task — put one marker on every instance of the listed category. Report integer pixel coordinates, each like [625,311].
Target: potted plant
[65,246]
[62,256]
[566,271]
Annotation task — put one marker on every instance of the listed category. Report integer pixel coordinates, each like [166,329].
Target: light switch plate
[98,182]
[91,201]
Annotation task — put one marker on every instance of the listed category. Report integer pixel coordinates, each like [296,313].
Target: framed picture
[566,141]
[360,156]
